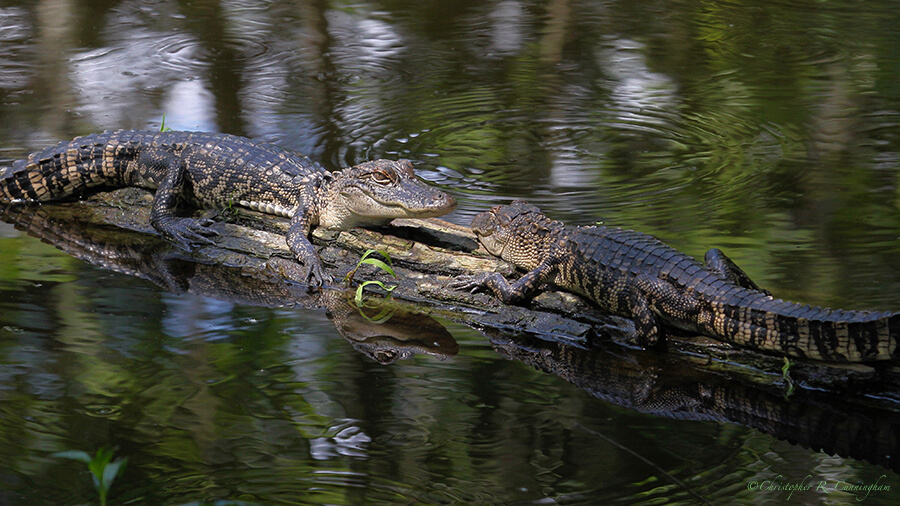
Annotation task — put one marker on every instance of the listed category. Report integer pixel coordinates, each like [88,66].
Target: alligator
[638,276]
[219,170]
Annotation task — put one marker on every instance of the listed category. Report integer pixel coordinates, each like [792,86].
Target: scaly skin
[217,170]
[637,276]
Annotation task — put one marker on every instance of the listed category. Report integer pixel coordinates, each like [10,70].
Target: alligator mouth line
[413,209]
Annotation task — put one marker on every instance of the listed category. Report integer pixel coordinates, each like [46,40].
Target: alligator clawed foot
[316,276]
[469,283]
[187,233]
[205,224]
[309,272]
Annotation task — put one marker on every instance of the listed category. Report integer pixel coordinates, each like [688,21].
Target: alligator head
[516,232]
[376,192]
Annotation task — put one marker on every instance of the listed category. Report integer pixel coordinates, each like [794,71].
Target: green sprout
[386,265]
[162,125]
[786,374]
[384,313]
[229,211]
[102,467]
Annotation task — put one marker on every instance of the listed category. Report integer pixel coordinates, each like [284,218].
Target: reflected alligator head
[390,334]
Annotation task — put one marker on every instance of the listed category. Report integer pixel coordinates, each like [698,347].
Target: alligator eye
[380,178]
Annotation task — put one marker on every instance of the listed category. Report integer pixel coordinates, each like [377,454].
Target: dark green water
[769,129]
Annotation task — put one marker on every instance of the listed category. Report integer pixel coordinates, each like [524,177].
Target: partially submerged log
[851,410]
[426,255]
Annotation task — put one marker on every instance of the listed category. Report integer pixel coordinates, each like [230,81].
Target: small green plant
[386,265]
[229,211]
[103,468]
[162,125]
[383,314]
[786,374]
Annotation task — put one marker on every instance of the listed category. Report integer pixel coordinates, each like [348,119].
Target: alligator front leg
[718,262]
[304,251]
[501,288]
[183,232]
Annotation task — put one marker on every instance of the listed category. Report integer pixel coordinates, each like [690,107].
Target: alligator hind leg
[184,232]
[647,332]
[718,262]
[652,300]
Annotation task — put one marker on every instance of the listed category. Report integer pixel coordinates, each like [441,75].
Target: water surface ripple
[767,129]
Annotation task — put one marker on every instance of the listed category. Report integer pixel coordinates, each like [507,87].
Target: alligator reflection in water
[659,385]
[385,336]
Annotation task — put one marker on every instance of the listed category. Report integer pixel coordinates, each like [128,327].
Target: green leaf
[382,253]
[370,252]
[786,374]
[74,455]
[100,461]
[359,290]
[103,471]
[386,265]
[111,471]
[786,368]
[378,263]
[384,315]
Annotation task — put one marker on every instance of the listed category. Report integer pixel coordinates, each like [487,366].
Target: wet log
[427,254]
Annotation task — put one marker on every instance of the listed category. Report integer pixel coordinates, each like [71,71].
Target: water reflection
[215,347]
[170,380]
[384,334]
[768,129]
[662,387]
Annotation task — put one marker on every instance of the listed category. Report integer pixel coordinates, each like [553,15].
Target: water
[769,129]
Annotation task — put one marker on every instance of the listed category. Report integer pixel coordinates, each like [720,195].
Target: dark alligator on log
[635,275]
[220,170]
[383,335]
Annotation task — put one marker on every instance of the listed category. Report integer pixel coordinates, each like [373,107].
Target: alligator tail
[69,169]
[814,332]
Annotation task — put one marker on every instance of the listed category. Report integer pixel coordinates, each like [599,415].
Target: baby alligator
[637,276]
[217,170]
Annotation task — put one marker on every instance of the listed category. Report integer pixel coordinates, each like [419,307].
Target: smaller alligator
[635,275]
[218,170]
